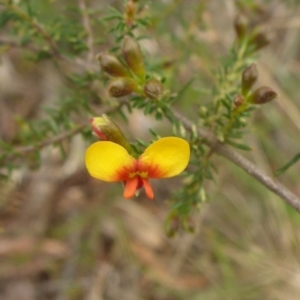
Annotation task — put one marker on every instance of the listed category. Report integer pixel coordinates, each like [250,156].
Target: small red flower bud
[249,77]
[97,126]
[122,86]
[112,65]
[153,88]
[132,54]
[106,129]
[262,95]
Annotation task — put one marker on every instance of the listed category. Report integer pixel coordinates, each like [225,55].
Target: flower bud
[132,54]
[171,226]
[112,65]
[188,225]
[122,86]
[260,40]
[129,12]
[240,26]
[262,95]
[249,77]
[106,129]
[238,100]
[153,88]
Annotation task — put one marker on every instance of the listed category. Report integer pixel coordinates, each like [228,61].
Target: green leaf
[114,11]
[239,146]
[148,108]
[289,164]
[141,142]
[154,133]
[144,22]
[5,16]
[226,104]
[182,91]
[112,17]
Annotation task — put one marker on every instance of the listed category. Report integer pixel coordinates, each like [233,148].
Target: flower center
[142,174]
[136,182]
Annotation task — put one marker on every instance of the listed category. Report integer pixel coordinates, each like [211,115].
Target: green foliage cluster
[64,41]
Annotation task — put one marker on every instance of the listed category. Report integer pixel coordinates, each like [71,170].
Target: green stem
[235,113]
[227,86]
[231,76]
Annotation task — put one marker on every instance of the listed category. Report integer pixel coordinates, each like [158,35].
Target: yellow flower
[110,162]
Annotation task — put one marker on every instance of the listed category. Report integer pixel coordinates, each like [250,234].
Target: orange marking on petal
[130,187]
[148,188]
[124,172]
[150,169]
[167,157]
[109,162]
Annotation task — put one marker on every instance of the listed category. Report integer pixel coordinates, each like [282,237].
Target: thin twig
[15,43]
[23,150]
[225,151]
[20,151]
[88,28]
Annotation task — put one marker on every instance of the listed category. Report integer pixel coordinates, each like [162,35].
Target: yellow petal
[165,158]
[108,161]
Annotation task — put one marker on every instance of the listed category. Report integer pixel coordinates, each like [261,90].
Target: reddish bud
[132,54]
[249,77]
[106,129]
[97,126]
[153,88]
[262,95]
[112,65]
[122,86]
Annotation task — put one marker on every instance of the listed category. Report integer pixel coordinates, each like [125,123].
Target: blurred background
[65,235]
